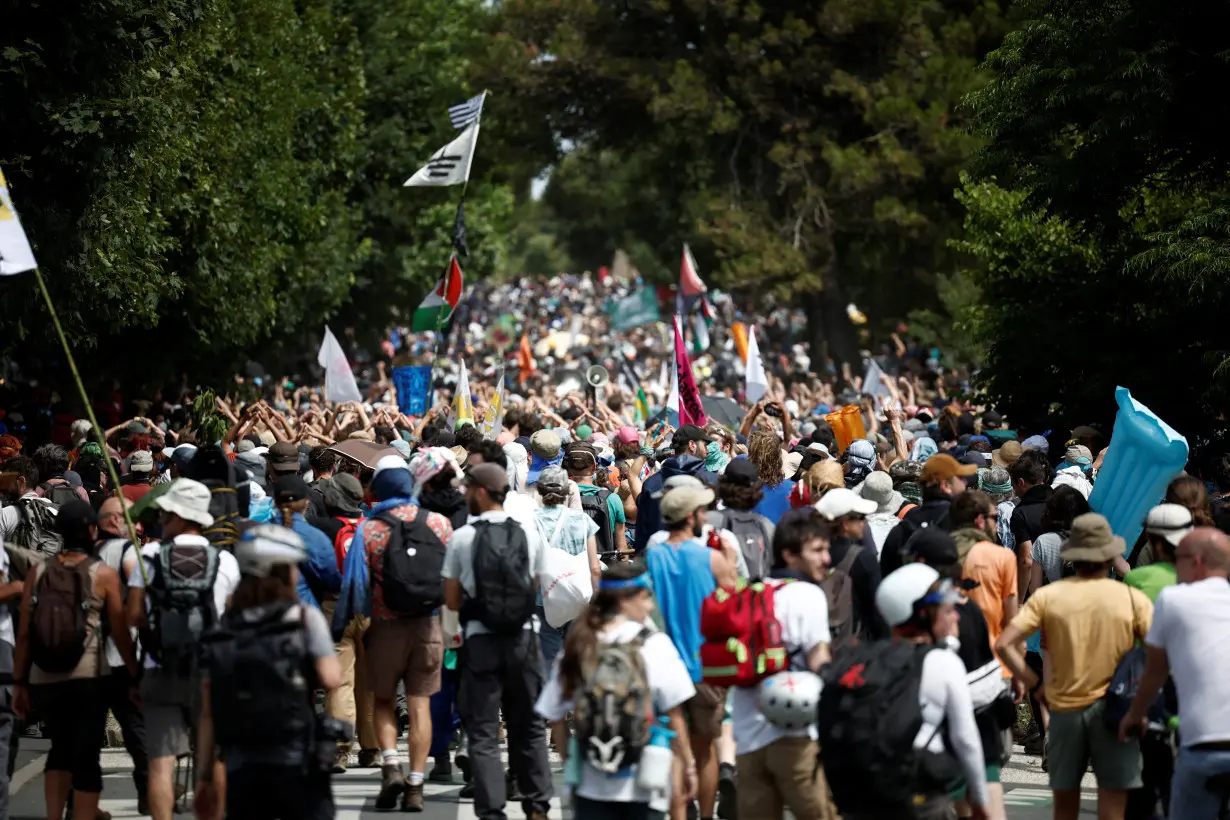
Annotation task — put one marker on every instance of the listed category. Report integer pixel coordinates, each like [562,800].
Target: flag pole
[89,410]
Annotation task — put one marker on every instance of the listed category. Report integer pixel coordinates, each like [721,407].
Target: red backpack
[743,640]
[341,542]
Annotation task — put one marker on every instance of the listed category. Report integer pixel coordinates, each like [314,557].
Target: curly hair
[738,496]
[765,452]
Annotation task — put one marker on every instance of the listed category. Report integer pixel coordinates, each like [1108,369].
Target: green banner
[640,308]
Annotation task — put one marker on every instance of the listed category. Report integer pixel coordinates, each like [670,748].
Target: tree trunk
[828,325]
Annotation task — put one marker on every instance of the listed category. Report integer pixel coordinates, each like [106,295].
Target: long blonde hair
[765,452]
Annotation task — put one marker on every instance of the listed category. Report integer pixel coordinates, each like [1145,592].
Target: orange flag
[525,360]
[739,331]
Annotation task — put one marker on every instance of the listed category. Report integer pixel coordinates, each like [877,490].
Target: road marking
[1038,797]
[27,773]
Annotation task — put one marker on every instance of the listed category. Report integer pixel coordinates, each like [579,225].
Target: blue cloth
[648,511]
[682,579]
[776,501]
[444,715]
[319,573]
[355,597]
[538,464]
[1189,796]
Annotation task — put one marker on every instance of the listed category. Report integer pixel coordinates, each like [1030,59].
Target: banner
[756,384]
[413,385]
[691,411]
[339,378]
[641,308]
[463,407]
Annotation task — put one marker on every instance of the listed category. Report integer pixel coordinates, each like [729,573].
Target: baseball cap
[941,467]
[679,502]
[1169,521]
[491,477]
[141,461]
[686,433]
[283,457]
[545,444]
[676,481]
[934,547]
[553,480]
[289,488]
[627,435]
[840,502]
[741,471]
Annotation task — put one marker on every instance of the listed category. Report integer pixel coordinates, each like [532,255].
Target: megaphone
[596,375]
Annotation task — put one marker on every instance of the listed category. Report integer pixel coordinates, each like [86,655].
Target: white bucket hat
[189,500]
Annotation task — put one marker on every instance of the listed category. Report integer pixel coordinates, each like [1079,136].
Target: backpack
[341,541]
[1125,682]
[838,587]
[595,506]
[262,679]
[58,491]
[749,531]
[905,510]
[867,720]
[412,581]
[37,528]
[60,608]
[181,595]
[613,709]
[504,596]
[743,639]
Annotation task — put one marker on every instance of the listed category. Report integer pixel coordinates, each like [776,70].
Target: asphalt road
[354,791]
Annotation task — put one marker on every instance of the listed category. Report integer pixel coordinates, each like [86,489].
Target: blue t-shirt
[682,578]
[776,501]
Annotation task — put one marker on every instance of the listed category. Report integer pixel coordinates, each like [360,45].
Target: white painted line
[27,773]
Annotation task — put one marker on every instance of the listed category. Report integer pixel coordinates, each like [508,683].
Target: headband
[641,580]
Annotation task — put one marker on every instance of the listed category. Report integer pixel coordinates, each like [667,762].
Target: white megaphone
[596,376]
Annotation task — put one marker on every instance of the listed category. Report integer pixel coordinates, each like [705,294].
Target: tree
[1096,125]
[804,149]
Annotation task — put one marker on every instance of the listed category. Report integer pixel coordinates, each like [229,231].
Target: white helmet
[788,699]
[903,591]
[263,547]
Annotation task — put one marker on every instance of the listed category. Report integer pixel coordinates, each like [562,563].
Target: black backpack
[59,609]
[595,506]
[262,680]
[58,491]
[868,717]
[413,580]
[748,529]
[504,597]
[182,610]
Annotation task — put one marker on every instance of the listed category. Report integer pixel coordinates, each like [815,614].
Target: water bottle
[653,773]
[572,767]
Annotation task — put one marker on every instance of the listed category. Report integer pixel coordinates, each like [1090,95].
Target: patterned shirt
[376,538]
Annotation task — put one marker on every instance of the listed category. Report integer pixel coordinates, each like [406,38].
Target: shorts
[409,650]
[1079,737]
[168,703]
[74,714]
[704,710]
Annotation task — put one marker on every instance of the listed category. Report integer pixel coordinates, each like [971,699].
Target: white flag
[872,386]
[450,165]
[15,253]
[756,384]
[462,114]
[339,378]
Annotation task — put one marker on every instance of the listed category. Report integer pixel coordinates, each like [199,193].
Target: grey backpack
[754,541]
[37,528]
[614,706]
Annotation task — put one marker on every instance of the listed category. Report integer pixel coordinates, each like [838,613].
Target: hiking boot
[340,761]
[412,798]
[369,758]
[392,784]
[1035,744]
[726,793]
[441,772]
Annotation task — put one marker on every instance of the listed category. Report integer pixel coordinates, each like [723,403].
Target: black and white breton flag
[451,164]
[467,112]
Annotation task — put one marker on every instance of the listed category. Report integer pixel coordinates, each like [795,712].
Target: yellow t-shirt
[1088,627]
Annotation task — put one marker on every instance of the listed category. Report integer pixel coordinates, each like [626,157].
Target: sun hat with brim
[878,488]
[142,461]
[679,502]
[1006,455]
[840,502]
[1170,521]
[1091,540]
[189,500]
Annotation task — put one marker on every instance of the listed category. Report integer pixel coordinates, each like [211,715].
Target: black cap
[289,488]
[284,457]
[933,547]
[741,471]
[991,420]
[687,433]
[74,520]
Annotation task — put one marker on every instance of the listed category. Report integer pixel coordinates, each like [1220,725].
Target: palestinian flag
[435,310]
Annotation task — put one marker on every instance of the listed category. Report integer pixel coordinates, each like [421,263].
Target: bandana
[629,583]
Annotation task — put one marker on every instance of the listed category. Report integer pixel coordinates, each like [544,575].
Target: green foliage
[1111,237]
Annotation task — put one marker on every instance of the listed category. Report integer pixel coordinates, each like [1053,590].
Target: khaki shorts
[784,775]
[405,649]
[1078,738]
[705,710]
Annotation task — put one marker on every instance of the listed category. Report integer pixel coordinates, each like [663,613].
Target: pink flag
[691,411]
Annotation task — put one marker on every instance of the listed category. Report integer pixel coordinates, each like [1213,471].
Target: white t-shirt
[459,560]
[670,684]
[944,693]
[803,612]
[224,583]
[1190,622]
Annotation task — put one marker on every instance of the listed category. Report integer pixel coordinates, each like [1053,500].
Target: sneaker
[441,772]
[463,763]
[369,758]
[1035,744]
[412,798]
[726,793]
[340,761]
[392,784]
[467,791]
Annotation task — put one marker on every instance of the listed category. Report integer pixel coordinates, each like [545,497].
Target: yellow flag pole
[89,409]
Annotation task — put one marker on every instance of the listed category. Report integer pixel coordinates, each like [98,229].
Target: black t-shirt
[976,654]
